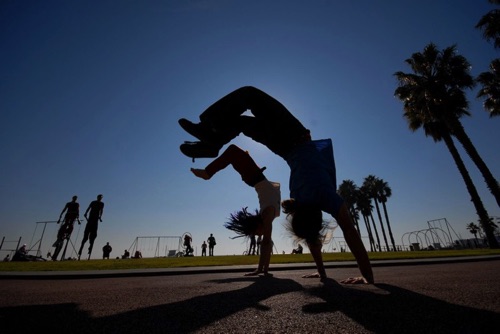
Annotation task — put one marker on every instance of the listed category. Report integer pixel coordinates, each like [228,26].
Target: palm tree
[364,205]
[490,25]
[347,190]
[474,229]
[383,193]
[490,91]
[370,185]
[490,81]
[434,99]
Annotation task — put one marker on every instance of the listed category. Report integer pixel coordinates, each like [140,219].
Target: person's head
[305,221]
[75,198]
[99,197]
[244,223]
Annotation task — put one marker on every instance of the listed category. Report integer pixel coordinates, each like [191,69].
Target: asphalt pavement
[454,295]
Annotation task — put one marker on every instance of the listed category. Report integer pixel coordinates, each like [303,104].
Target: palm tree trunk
[354,218]
[484,218]
[381,224]
[490,180]
[376,233]
[370,235]
[389,227]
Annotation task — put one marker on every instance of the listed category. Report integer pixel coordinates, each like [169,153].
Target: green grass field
[230,260]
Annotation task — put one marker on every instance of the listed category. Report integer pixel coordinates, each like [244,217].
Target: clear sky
[91,91]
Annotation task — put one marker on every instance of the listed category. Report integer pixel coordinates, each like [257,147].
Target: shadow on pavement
[379,308]
[386,308]
[179,317]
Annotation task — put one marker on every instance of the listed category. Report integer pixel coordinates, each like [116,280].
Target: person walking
[93,215]
[313,185]
[211,244]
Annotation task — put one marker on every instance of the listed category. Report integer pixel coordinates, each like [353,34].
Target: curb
[52,275]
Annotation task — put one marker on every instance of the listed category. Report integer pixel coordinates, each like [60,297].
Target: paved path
[458,297]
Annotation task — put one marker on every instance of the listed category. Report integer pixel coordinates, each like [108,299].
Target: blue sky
[91,91]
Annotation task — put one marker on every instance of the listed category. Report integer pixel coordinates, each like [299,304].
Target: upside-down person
[313,184]
[245,223]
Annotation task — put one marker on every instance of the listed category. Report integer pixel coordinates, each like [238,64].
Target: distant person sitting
[21,254]
[6,258]
[298,250]
[126,255]
[137,255]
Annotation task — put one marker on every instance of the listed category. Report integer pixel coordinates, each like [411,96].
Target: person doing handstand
[243,222]
[313,185]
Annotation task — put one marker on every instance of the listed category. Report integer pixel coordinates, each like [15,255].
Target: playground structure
[40,246]
[11,250]
[159,246]
[438,235]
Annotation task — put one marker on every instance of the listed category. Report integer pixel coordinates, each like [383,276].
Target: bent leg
[271,125]
[241,161]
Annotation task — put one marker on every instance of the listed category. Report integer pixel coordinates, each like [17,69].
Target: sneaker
[200,150]
[199,130]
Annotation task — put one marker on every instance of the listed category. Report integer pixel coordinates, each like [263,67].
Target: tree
[370,186]
[434,99]
[490,25]
[474,229]
[364,205]
[347,190]
[490,90]
[490,81]
[383,193]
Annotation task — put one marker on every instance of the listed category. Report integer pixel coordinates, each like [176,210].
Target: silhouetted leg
[241,161]
[92,237]
[272,124]
[84,240]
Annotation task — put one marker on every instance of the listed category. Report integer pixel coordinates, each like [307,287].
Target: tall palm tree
[383,193]
[347,190]
[490,90]
[369,184]
[364,205]
[490,81]
[474,229]
[434,99]
[490,25]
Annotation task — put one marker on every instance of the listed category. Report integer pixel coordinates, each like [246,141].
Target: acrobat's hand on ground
[354,280]
[201,173]
[253,273]
[315,275]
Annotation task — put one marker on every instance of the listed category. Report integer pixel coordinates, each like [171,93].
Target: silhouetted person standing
[106,251]
[204,249]
[211,244]
[72,210]
[253,242]
[96,209]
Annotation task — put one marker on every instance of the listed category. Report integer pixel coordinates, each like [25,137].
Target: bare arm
[266,245]
[356,246]
[62,212]
[315,250]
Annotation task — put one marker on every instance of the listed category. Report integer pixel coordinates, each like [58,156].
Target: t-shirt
[313,175]
[95,209]
[269,195]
